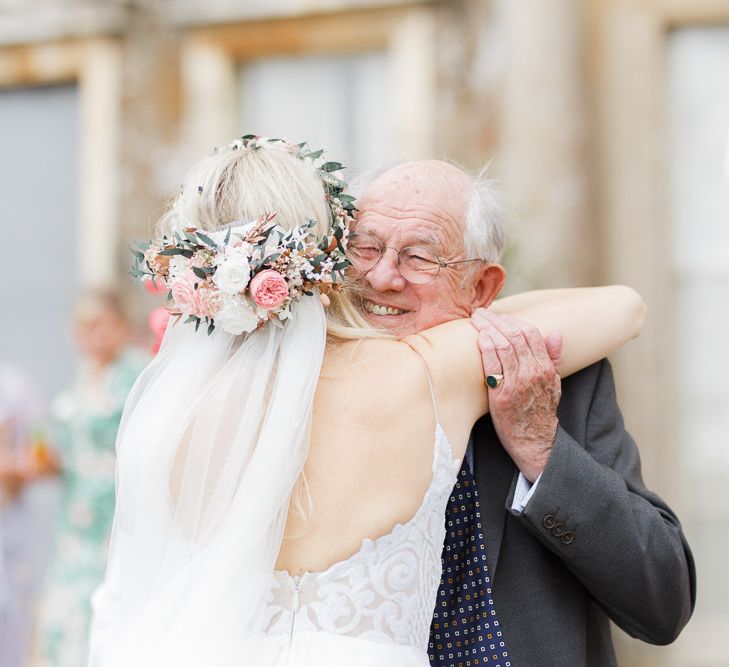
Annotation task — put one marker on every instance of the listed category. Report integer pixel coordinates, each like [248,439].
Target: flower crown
[243,275]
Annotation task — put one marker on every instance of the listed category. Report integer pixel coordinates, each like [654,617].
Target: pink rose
[189,300]
[268,289]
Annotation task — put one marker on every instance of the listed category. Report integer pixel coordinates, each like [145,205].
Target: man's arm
[621,541]
[590,506]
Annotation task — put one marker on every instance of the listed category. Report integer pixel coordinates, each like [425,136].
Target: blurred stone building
[606,122]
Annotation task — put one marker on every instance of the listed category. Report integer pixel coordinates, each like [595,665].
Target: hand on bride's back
[523,406]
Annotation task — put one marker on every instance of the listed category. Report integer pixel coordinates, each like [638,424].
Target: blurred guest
[18,577]
[85,421]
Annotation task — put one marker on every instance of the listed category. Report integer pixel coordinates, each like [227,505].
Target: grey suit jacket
[592,543]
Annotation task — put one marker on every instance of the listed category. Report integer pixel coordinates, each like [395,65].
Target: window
[38,219]
[342,103]
[699,116]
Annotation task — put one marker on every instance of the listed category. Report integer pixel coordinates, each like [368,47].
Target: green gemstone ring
[494,381]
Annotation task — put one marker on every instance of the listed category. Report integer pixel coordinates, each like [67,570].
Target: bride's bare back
[373,432]
[371,451]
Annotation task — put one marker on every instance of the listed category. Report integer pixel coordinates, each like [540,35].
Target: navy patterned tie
[465,631]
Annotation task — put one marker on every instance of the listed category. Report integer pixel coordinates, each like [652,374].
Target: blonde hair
[244,183]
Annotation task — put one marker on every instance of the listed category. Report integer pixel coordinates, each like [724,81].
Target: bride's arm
[593,323]
[510,305]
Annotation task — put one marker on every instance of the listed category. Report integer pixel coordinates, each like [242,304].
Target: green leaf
[199,273]
[315,154]
[331,166]
[173,251]
[197,323]
[211,327]
[207,240]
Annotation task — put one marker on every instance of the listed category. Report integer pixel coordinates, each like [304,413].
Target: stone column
[542,157]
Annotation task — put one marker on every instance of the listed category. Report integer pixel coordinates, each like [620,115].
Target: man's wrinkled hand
[523,406]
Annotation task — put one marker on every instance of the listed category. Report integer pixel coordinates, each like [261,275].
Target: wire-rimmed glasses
[418,264]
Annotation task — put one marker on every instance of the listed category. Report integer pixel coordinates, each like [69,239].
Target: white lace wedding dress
[373,609]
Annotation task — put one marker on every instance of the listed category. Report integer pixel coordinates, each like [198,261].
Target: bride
[283,468]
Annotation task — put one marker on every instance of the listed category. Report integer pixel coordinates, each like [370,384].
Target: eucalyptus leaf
[207,240]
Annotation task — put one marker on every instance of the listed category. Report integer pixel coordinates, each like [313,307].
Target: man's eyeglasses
[418,264]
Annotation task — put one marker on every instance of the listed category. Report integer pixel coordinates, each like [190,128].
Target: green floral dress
[86,419]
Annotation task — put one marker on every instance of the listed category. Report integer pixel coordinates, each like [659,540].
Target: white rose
[235,250]
[178,265]
[236,317]
[232,275]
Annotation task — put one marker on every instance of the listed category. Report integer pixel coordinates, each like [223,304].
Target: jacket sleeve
[622,542]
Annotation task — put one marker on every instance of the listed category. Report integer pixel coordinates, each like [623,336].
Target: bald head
[428,184]
[421,204]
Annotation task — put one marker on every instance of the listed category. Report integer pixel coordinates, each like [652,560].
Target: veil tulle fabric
[213,439]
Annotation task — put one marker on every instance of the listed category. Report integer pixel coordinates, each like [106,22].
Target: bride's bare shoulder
[369,355]
[380,374]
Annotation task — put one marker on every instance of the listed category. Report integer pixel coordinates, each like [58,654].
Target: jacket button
[559,530]
[568,538]
[549,522]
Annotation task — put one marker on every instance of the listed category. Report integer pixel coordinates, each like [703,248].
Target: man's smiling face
[418,204]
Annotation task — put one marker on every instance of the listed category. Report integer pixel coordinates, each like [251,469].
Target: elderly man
[566,536]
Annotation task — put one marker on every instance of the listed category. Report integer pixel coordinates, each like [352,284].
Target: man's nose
[385,276]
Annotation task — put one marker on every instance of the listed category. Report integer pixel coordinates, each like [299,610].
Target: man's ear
[488,284]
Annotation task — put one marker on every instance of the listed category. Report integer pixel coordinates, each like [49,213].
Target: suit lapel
[494,473]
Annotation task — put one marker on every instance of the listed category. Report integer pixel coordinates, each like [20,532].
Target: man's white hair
[485,229]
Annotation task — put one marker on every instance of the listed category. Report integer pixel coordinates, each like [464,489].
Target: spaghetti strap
[430,383]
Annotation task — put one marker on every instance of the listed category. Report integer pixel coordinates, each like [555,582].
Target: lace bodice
[386,591]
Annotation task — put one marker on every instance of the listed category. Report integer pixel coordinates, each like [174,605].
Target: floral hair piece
[246,274]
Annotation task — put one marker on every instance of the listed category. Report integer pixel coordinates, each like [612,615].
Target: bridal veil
[212,442]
